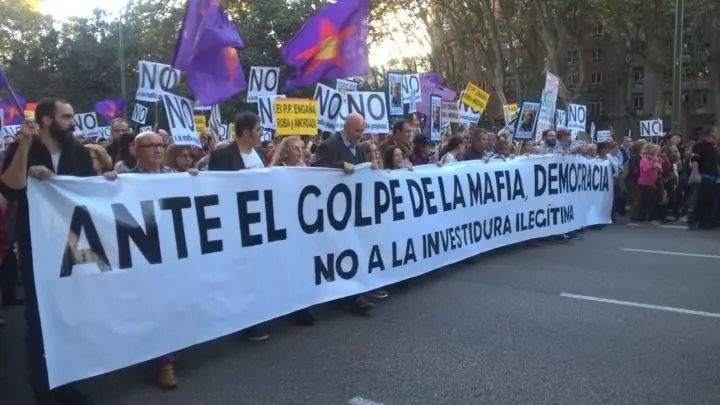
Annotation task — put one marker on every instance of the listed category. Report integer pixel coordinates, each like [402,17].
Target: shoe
[361,305]
[304,317]
[378,294]
[69,395]
[166,378]
[256,334]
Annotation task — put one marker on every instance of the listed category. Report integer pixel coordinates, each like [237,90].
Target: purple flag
[14,106]
[110,108]
[433,77]
[332,44]
[207,51]
[427,89]
[13,110]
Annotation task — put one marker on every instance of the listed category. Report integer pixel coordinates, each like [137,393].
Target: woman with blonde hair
[289,152]
[101,160]
[180,157]
[371,151]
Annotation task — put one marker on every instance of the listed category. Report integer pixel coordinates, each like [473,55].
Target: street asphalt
[620,317]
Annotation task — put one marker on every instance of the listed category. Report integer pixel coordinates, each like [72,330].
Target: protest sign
[330,104]
[509,112]
[393,82]
[411,88]
[525,128]
[10,130]
[373,107]
[263,81]
[104,132]
[86,125]
[651,128]
[345,86]
[436,121]
[200,122]
[577,118]
[139,114]
[450,113]
[179,111]
[475,97]
[561,119]
[295,116]
[427,89]
[148,251]
[603,136]
[266,110]
[155,79]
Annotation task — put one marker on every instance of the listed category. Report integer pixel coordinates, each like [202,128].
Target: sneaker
[378,294]
[256,334]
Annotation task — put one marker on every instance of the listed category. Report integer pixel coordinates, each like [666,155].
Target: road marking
[661,252]
[362,401]
[658,226]
[641,305]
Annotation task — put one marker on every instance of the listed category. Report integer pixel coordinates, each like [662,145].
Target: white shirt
[55,160]
[252,160]
[448,158]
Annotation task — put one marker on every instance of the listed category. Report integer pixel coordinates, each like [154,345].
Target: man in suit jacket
[243,153]
[341,151]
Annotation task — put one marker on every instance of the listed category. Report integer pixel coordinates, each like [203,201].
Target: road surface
[627,315]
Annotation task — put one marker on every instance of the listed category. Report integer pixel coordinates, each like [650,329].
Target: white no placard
[148,128]
[468,114]
[411,88]
[179,112]
[155,79]
[373,107]
[264,81]
[651,128]
[561,119]
[86,125]
[104,132]
[266,110]
[330,104]
[577,118]
[139,114]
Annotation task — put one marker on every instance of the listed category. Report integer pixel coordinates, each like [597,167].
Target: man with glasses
[150,154]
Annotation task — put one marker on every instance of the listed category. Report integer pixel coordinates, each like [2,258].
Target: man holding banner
[53,151]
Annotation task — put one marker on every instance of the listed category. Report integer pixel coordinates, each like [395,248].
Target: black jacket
[333,153]
[227,158]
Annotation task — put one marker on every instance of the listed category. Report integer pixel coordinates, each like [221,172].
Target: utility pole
[121,60]
[675,125]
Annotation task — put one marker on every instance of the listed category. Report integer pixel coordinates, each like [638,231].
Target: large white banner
[150,264]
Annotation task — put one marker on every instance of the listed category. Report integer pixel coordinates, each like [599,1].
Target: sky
[60,9]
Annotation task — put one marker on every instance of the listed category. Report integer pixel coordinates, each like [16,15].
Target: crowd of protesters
[653,183]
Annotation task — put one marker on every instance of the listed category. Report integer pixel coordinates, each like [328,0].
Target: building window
[687,73]
[685,98]
[596,78]
[595,108]
[597,55]
[701,100]
[639,75]
[638,102]
[597,30]
[572,80]
[572,57]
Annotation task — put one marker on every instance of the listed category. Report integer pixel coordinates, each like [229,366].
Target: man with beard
[53,151]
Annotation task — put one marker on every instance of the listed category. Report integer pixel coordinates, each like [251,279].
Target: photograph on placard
[435,118]
[394,94]
[525,129]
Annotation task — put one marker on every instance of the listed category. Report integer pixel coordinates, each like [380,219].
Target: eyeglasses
[152,146]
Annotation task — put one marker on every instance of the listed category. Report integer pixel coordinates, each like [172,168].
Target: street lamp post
[121,60]
[675,124]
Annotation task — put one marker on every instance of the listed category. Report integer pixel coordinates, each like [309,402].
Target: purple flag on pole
[110,108]
[206,50]
[14,106]
[13,110]
[433,77]
[332,44]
